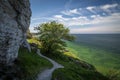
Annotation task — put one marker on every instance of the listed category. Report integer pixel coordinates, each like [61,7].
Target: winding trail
[47,74]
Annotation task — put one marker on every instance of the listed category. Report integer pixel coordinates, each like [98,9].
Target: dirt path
[47,74]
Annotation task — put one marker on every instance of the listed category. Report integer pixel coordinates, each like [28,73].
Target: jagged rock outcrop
[14,22]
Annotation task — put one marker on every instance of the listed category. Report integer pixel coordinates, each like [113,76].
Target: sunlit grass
[70,54]
[73,69]
[34,40]
[104,61]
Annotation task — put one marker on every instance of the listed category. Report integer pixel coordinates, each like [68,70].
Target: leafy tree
[52,36]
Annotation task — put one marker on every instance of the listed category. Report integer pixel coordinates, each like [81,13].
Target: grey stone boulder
[14,23]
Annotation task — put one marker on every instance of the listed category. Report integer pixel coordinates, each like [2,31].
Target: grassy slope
[31,64]
[74,69]
[103,60]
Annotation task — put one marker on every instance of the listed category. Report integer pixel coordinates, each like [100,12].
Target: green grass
[103,60]
[31,64]
[74,69]
[73,61]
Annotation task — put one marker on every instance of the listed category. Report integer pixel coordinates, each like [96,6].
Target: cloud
[108,24]
[83,20]
[74,11]
[97,29]
[99,19]
[107,6]
[113,19]
[36,19]
[70,12]
[58,16]
[71,21]
[94,16]
[91,8]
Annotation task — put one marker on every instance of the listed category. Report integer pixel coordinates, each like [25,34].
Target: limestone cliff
[14,22]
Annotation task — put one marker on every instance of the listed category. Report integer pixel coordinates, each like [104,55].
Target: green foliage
[51,36]
[31,64]
[34,41]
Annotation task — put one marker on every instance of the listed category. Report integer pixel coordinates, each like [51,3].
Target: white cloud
[70,12]
[91,9]
[58,16]
[82,20]
[108,24]
[94,16]
[74,11]
[107,6]
[97,29]
[72,21]
[115,17]
[99,24]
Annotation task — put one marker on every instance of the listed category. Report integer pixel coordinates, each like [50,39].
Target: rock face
[14,22]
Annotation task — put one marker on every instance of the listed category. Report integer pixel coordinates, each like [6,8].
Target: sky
[80,16]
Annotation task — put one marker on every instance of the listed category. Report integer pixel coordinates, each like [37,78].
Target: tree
[52,36]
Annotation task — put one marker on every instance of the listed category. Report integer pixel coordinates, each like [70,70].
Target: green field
[78,55]
[74,69]
[104,61]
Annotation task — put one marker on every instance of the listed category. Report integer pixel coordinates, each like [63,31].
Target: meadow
[102,51]
[81,59]
[74,69]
